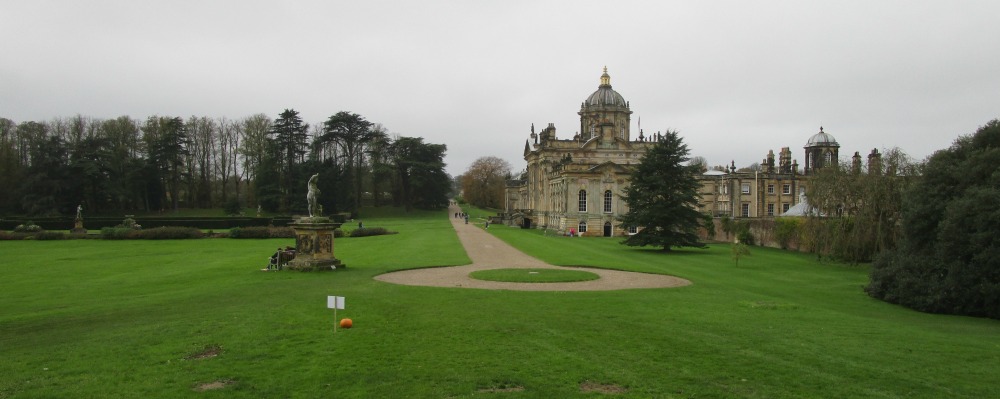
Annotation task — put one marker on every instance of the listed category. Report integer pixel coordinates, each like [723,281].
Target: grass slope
[88,318]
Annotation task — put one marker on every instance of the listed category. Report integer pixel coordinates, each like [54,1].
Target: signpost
[335,302]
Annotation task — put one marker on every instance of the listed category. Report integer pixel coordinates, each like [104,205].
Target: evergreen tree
[47,178]
[291,138]
[351,133]
[423,182]
[663,198]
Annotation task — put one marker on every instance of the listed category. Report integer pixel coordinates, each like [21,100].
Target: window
[786,189]
[828,158]
[770,209]
[784,208]
[770,189]
[745,211]
[745,188]
[582,227]
[633,229]
[583,201]
[607,201]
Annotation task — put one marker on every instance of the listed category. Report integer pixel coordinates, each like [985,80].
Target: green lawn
[93,318]
[533,275]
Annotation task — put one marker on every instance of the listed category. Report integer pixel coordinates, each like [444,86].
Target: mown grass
[533,275]
[93,318]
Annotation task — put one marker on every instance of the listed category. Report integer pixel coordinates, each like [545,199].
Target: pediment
[609,166]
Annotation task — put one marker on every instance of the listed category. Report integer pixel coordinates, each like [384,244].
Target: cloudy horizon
[736,79]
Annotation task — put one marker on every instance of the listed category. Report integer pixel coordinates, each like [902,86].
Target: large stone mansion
[575,184]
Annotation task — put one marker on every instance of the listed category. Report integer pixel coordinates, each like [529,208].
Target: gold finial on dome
[605,78]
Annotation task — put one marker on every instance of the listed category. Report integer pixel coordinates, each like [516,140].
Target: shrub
[27,227]
[740,250]
[743,232]
[116,233]
[250,232]
[13,236]
[233,207]
[728,226]
[786,230]
[709,225]
[50,235]
[168,233]
[129,223]
[370,231]
[281,232]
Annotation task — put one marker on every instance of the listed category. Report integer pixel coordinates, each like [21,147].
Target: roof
[605,95]
[822,139]
[800,209]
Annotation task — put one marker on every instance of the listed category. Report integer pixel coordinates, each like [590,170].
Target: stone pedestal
[78,227]
[314,245]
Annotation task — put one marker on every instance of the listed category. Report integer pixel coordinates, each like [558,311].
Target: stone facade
[772,190]
[576,184]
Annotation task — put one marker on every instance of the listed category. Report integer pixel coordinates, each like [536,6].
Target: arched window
[583,201]
[828,159]
[582,227]
[607,201]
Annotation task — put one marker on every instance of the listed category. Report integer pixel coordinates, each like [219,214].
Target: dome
[822,139]
[605,95]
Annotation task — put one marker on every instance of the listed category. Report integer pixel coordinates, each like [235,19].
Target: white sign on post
[335,302]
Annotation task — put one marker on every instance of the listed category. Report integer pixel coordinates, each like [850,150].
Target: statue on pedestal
[314,236]
[312,195]
[78,221]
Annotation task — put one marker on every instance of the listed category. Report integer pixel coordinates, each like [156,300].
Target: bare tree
[199,166]
[226,142]
[485,180]
[253,132]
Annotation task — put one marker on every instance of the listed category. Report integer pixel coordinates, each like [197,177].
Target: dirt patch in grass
[769,305]
[501,387]
[208,352]
[208,386]
[608,389]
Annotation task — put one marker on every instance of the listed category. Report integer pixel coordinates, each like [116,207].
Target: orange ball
[346,323]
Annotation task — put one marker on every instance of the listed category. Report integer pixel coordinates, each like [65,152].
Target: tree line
[164,163]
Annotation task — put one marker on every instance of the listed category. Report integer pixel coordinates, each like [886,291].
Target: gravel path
[489,252]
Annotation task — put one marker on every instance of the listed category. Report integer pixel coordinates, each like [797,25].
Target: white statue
[312,196]
[79,211]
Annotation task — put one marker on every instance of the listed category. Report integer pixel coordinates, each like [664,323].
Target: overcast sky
[735,78]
